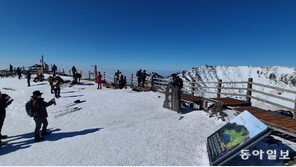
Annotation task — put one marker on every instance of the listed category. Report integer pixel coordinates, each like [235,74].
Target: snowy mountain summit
[271,75]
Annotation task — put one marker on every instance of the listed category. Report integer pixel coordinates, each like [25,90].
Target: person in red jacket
[99,80]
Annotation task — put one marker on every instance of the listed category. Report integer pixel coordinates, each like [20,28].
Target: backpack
[29,106]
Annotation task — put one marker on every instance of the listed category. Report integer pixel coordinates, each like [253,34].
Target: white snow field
[114,127]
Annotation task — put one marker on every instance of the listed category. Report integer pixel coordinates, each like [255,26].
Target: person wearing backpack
[139,73]
[4,102]
[40,115]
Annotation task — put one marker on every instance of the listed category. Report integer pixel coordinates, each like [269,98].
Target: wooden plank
[271,118]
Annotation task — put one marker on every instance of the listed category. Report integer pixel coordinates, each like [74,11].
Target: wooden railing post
[219,88]
[104,75]
[88,74]
[132,79]
[69,73]
[193,87]
[152,82]
[249,92]
[95,73]
[63,71]
[294,113]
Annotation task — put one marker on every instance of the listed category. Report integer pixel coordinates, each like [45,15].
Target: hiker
[56,87]
[74,71]
[143,78]
[116,78]
[41,77]
[99,80]
[76,77]
[28,76]
[56,82]
[54,69]
[19,73]
[5,101]
[50,80]
[40,114]
[120,81]
[36,79]
[139,73]
[10,68]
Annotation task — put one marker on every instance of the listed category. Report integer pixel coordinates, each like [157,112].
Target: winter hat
[37,93]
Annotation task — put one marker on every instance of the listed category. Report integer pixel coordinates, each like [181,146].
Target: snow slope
[114,127]
[283,77]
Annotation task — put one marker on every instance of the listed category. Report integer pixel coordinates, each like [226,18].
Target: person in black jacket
[143,78]
[54,69]
[4,102]
[56,85]
[10,68]
[40,114]
[74,71]
[28,75]
[19,73]
[139,73]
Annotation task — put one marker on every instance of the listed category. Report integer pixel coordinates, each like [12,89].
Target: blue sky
[165,35]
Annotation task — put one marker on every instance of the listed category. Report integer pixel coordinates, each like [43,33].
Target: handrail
[159,78]
[273,87]
[160,82]
[275,104]
[272,95]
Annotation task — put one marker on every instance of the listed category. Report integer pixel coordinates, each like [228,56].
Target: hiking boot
[38,138]
[44,133]
[3,136]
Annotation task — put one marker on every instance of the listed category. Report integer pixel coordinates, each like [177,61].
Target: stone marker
[173,98]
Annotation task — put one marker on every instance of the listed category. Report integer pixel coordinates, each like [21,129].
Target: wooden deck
[270,118]
[190,98]
[232,102]
[139,88]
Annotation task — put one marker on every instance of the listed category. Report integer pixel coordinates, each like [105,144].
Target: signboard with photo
[241,132]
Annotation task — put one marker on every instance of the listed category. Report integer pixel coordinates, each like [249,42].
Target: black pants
[39,122]
[99,86]
[143,82]
[28,81]
[1,123]
[51,88]
[139,81]
[57,92]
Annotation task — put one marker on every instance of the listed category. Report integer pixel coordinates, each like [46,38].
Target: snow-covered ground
[114,127]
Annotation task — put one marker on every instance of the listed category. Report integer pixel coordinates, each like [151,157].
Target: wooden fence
[161,82]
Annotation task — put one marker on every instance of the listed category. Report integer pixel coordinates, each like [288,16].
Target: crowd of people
[38,106]
[141,76]
[119,79]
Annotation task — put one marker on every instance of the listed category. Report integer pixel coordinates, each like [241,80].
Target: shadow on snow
[15,145]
